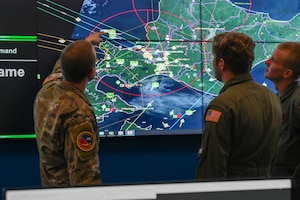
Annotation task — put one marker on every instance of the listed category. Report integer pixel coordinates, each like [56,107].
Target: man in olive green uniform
[65,124]
[242,124]
[283,69]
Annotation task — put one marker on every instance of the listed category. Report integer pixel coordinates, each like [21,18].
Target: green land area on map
[178,46]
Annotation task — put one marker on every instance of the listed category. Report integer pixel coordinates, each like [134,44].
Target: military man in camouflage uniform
[242,124]
[65,124]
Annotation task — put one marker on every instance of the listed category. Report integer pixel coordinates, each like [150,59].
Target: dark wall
[123,160]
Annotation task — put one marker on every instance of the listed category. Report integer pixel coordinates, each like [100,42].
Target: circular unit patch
[86,141]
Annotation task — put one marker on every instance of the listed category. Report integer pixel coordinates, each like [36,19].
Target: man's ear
[288,73]
[91,73]
[221,63]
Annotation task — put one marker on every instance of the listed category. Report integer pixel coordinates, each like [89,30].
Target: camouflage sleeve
[56,68]
[81,153]
[56,73]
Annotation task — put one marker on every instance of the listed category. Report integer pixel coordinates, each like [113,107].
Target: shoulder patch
[86,141]
[213,115]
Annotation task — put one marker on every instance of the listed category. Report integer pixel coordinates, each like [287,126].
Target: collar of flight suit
[289,91]
[238,78]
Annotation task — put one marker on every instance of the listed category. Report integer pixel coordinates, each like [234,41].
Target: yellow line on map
[149,104]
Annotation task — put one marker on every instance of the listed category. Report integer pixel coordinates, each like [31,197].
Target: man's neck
[282,86]
[228,75]
[80,86]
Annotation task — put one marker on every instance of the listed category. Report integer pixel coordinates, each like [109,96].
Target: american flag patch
[212,115]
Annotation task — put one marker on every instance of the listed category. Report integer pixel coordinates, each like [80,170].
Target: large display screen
[18,66]
[154,75]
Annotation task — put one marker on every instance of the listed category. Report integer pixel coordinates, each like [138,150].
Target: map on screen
[154,74]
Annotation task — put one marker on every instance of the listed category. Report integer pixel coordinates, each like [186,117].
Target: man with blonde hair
[283,69]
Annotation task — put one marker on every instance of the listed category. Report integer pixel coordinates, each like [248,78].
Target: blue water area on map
[163,100]
[130,22]
[127,17]
[277,9]
[258,75]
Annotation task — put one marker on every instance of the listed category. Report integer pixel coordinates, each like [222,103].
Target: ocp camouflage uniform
[66,131]
[242,128]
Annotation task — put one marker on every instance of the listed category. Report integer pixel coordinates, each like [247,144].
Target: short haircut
[77,59]
[292,58]
[237,49]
